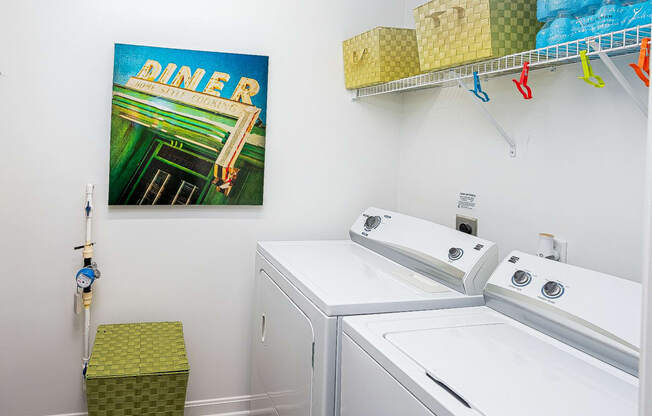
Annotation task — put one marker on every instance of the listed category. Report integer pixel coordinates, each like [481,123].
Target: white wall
[327,159]
[578,174]
[645,367]
[579,170]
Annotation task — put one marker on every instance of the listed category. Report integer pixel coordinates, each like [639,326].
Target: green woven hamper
[138,370]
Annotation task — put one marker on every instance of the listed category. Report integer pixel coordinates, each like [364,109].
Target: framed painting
[187,127]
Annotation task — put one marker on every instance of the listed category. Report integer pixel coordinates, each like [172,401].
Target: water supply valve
[87,275]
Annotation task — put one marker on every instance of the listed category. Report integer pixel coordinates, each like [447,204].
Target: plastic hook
[643,66]
[588,72]
[521,84]
[477,89]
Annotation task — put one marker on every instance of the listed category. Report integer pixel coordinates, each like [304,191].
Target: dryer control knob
[455,253]
[372,222]
[521,278]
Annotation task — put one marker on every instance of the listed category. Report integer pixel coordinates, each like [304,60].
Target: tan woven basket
[456,32]
[380,55]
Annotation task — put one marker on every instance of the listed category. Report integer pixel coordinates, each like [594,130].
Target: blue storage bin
[543,36]
[569,20]
[561,29]
[586,7]
[543,11]
[637,14]
[608,18]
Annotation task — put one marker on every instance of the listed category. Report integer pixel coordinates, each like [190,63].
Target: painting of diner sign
[187,127]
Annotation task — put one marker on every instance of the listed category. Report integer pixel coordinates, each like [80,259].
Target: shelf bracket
[510,142]
[609,63]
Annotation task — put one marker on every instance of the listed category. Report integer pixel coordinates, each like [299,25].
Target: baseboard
[224,406]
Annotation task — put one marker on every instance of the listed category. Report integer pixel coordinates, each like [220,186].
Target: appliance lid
[503,369]
[343,278]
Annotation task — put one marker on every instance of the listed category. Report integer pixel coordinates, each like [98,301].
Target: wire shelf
[614,43]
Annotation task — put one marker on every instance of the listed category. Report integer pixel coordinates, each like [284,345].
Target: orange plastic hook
[643,66]
[522,83]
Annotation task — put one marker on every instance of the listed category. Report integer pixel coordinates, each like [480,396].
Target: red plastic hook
[643,66]
[522,86]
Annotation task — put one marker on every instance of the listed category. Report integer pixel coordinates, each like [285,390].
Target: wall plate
[468,225]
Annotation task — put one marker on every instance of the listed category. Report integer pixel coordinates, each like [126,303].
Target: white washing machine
[392,263]
[553,339]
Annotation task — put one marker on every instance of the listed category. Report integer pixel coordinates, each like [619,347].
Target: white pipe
[88,210]
[88,254]
[87,327]
[88,230]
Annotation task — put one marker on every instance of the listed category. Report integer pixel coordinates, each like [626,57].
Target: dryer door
[282,350]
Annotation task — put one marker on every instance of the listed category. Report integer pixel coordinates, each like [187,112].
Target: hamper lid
[123,350]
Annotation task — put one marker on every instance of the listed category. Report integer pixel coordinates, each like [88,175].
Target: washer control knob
[372,222]
[455,253]
[521,278]
[552,290]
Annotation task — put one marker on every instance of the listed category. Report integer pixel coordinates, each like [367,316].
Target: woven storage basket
[380,55]
[456,32]
[138,370]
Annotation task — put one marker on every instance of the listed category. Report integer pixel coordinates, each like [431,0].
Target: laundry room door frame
[645,366]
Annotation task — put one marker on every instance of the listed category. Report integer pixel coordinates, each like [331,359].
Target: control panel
[455,259]
[567,294]
[550,289]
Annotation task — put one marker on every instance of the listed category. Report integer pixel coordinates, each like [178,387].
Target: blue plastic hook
[477,91]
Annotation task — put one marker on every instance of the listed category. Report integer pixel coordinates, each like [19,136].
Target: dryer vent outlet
[466,224]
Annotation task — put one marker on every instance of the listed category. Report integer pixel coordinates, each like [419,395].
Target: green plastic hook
[588,72]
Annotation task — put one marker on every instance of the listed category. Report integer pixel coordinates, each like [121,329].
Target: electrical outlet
[466,224]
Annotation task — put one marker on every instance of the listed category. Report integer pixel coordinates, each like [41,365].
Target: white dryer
[553,339]
[392,263]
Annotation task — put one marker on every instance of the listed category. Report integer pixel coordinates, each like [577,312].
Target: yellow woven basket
[456,32]
[380,55]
